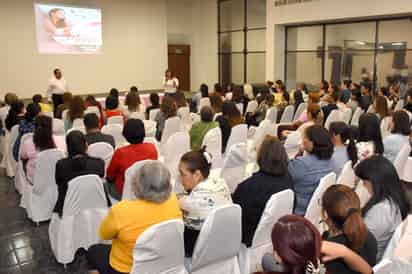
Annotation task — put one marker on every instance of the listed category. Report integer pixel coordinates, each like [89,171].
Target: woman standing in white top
[170,83]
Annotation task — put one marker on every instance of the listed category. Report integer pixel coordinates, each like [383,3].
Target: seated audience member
[43,139]
[380,107]
[42,102]
[76,111]
[216,102]
[200,129]
[67,99]
[133,89]
[388,205]
[324,88]
[297,100]
[114,92]
[345,145]
[230,118]
[217,88]
[180,99]
[93,133]
[384,91]
[238,97]
[168,109]
[203,194]
[281,98]
[155,203]
[203,93]
[92,102]
[394,95]
[126,156]
[332,99]
[314,117]
[408,105]
[313,98]
[355,100]
[307,170]
[370,137]
[154,103]
[343,216]
[77,163]
[253,193]
[265,101]
[133,104]
[15,115]
[10,98]
[366,99]
[400,131]
[26,126]
[112,107]
[346,92]
[299,250]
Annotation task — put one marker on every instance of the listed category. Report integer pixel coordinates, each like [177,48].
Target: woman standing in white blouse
[170,83]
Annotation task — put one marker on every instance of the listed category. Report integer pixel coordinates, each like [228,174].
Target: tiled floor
[24,247]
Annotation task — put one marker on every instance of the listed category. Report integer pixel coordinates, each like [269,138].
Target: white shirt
[206,196]
[56,86]
[170,85]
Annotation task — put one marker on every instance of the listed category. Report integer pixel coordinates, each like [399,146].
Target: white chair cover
[218,243]
[128,176]
[251,106]
[3,114]
[301,108]
[280,204]
[160,249]
[177,145]
[314,210]
[240,107]
[386,126]
[78,123]
[40,198]
[85,206]
[355,118]
[398,235]
[394,266]
[287,115]
[238,135]
[81,129]
[399,105]
[401,159]
[292,143]
[266,127]
[371,109]
[234,165]
[58,127]
[334,116]
[213,143]
[204,102]
[172,125]
[153,113]
[137,115]
[272,114]
[149,128]
[20,177]
[116,131]
[346,115]
[407,171]
[184,114]
[49,114]
[92,109]
[117,120]
[347,176]
[102,151]
[9,161]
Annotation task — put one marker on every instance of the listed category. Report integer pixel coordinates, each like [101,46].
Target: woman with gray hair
[155,203]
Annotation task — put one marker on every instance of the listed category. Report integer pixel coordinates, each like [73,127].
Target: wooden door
[179,64]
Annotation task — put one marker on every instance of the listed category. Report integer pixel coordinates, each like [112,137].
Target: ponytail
[355,229]
[348,136]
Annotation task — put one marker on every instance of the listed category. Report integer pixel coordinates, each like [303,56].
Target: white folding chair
[301,108]
[386,126]
[204,102]
[272,114]
[177,145]
[78,123]
[3,115]
[149,128]
[102,151]
[9,161]
[64,115]
[334,116]
[371,109]
[279,205]
[153,254]
[346,115]
[184,114]
[85,206]
[266,127]
[234,165]
[251,106]
[40,198]
[81,129]
[223,225]
[213,143]
[128,175]
[172,125]
[393,266]
[115,120]
[20,176]
[407,171]
[347,176]
[287,115]
[240,107]
[92,109]
[355,118]
[399,105]
[292,143]
[153,113]
[116,131]
[314,209]
[401,159]
[402,233]
[237,135]
[58,127]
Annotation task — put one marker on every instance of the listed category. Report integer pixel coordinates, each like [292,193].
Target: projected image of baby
[56,23]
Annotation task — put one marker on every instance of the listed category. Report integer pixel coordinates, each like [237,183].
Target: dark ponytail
[348,137]
[354,228]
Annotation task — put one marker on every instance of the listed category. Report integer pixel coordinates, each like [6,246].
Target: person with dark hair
[43,139]
[203,93]
[57,86]
[93,133]
[366,99]
[15,114]
[343,216]
[298,246]
[26,126]
[126,221]
[168,109]
[297,100]
[76,111]
[92,102]
[200,129]
[324,88]
[133,89]
[400,131]
[380,107]
[154,103]
[112,107]
[408,105]
[217,88]
[344,141]
[42,102]
[216,102]
[126,156]
[253,193]
[67,100]
[203,194]
[77,163]
[370,138]
[230,118]
[114,92]
[346,92]
[307,170]
[265,101]
[332,99]
[388,205]
[133,104]
[355,100]
[383,91]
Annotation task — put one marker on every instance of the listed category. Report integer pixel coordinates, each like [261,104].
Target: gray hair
[152,182]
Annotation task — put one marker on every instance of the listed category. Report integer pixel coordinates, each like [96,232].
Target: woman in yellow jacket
[127,220]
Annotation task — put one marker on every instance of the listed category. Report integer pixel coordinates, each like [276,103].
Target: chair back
[102,151]
[266,127]
[58,127]
[78,123]
[272,114]
[150,128]
[407,171]
[116,131]
[301,108]
[213,143]
[204,102]
[92,109]
[115,120]
[386,126]
[153,113]
[355,118]
[128,176]
[240,107]
[137,115]
[401,159]
[172,125]
[237,135]
[347,176]
[152,252]
[184,114]
[177,145]
[399,105]
[251,106]
[334,116]
[287,115]
[234,165]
